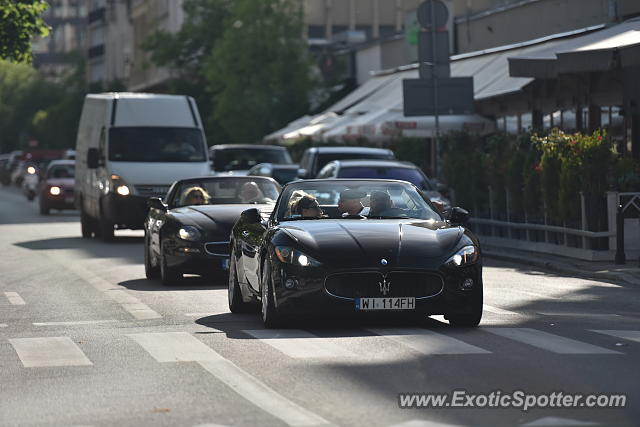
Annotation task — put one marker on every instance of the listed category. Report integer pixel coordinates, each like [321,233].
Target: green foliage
[260,70]
[532,194]
[464,170]
[19,21]
[516,181]
[185,53]
[626,174]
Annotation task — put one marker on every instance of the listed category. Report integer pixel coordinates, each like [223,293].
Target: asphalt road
[86,340]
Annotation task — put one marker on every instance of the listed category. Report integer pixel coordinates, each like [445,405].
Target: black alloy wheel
[169,276]
[270,316]
[471,319]
[150,270]
[236,304]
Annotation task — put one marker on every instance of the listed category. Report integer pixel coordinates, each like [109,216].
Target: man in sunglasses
[350,203]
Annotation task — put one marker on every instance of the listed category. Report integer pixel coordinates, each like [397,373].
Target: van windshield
[156,144]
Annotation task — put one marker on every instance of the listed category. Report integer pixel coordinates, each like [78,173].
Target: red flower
[599,137]
[573,142]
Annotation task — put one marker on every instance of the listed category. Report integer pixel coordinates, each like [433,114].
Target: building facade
[53,55]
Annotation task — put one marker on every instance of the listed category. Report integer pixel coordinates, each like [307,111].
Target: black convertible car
[189,231]
[355,246]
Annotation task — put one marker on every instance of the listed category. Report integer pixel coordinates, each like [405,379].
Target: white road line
[625,335]
[428,342]
[496,310]
[14,298]
[300,344]
[131,304]
[72,323]
[49,351]
[3,325]
[550,342]
[183,347]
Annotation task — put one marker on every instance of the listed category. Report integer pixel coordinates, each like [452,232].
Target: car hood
[364,243]
[216,218]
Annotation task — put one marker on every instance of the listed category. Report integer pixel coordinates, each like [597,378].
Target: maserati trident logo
[385,285]
[383,261]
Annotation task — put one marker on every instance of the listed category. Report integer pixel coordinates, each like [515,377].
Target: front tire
[270,315]
[150,270]
[169,276]
[236,304]
[471,319]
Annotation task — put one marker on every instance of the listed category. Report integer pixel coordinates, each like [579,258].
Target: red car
[57,188]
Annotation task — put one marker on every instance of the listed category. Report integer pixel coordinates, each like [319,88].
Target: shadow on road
[189,283]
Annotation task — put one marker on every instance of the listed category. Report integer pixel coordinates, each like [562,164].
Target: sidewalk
[628,273]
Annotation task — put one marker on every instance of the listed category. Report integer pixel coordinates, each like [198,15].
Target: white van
[130,147]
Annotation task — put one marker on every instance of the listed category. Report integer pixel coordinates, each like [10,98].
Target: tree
[19,21]
[185,52]
[260,70]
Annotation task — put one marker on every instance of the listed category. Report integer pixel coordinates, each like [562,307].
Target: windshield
[156,144]
[324,158]
[357,199]
[61,171]
[231,159]
[216,191]
[405,174]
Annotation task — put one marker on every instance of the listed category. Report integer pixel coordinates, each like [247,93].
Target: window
[156,144]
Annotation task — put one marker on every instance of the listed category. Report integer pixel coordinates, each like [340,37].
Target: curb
[559,268]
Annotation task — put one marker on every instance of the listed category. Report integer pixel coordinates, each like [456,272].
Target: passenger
[380,202]
[195,196]
[251,193]
[350,203]
[308,207]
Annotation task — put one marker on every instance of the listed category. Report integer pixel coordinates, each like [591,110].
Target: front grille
[152,190]
[365,284]
[217,248]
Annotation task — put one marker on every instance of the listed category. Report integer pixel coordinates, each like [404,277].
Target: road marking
[496,310]
[625,335]
[550,342]
[183,347]
[3,325]
[428,342]
[300,344]
[49,351]
[578,314]
[131,304]
[14,298]
[535,294]
[72,323]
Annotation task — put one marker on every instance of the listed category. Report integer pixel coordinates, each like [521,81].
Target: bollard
[620,256]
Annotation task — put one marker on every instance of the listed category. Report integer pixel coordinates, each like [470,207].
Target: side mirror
[458,216]
[302,173]
[156,203]
[251,216]
[93,158]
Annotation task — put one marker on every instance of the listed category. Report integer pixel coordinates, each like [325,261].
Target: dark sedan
[355,246]
[189,231]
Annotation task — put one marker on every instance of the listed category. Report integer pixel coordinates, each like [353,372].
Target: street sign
[455,96]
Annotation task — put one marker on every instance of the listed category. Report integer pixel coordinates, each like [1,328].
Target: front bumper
[125,211]
[193,258]
[311,296]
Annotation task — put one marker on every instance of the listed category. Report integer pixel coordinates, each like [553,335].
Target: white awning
[294,125]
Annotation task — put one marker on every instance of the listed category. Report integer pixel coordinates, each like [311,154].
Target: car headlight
[55,191]
[117,184]
[31,170]
[123,190]
[289,255]
[189,233]
[466,255]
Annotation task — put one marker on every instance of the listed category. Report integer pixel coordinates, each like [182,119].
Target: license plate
[398,303]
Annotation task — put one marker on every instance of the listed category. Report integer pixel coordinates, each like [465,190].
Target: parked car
[281,173]
[410,260]
[131,147]
[386,169]
[187,234]
[315,158]
[57,188]
[237,159]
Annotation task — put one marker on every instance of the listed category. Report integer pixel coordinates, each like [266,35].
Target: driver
[380,202]
[307,207]
[195,196]
[350,203]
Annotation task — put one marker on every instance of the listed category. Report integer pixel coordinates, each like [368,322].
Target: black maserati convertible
[189,231]
[355,246]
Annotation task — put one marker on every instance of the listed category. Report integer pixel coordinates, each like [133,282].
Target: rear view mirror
[458,216]
[156,203]
[251,216]
[93,158]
